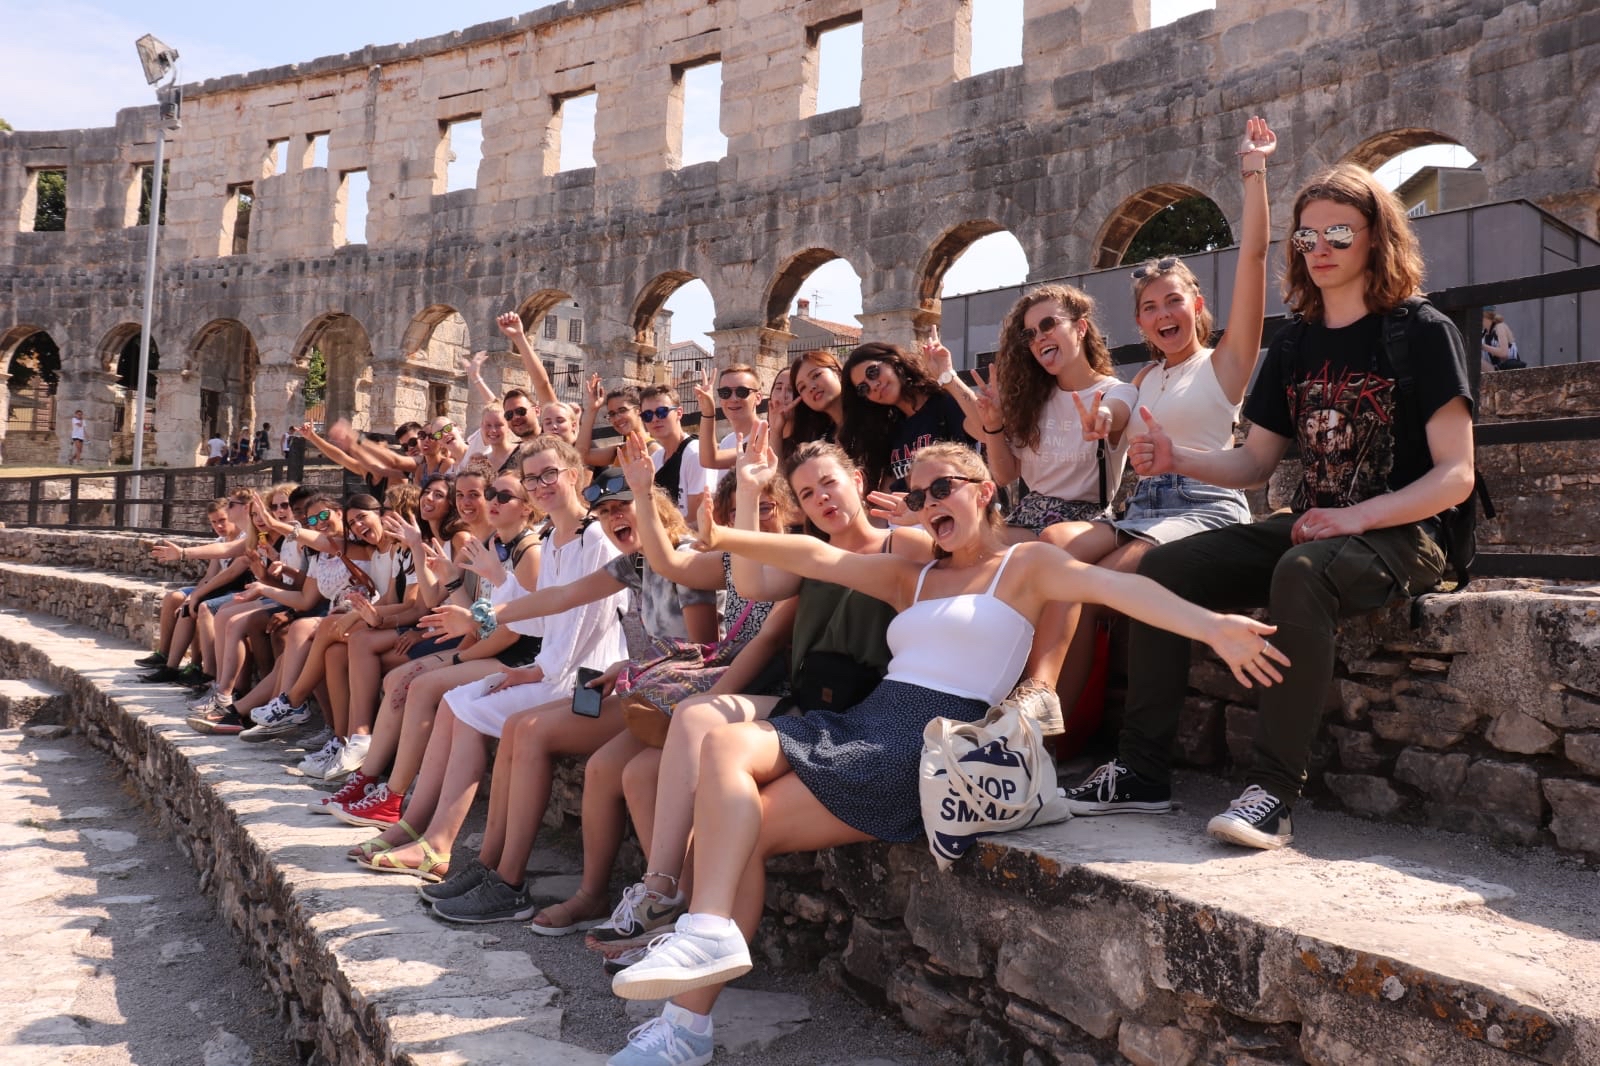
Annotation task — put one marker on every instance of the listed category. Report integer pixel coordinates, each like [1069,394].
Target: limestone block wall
[1104,121]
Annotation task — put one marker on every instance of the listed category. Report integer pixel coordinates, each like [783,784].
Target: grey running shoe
[459,883]
[639,916]
[491,900]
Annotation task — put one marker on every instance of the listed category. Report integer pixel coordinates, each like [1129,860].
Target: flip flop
[562,920]
[434,867]
[377,845]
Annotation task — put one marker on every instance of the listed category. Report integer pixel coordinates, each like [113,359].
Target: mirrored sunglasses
[603,487]
[656,413]
[1339,237]
[314,520]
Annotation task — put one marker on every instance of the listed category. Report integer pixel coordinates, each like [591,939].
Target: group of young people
[747,663]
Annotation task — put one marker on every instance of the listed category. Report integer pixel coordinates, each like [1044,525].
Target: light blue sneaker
[665,1041]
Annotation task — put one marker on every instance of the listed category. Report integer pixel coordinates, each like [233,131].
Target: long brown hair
[806,424]
[869,427]
[1394,263]
[1025,386]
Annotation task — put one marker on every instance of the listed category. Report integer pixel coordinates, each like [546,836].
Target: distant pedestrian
[79,432]
[263,441]
[216,450]
[241,450]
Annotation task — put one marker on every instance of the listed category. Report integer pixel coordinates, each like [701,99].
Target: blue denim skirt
[1169,507]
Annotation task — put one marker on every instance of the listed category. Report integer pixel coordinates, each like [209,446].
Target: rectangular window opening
[461,150]
[438,399]
[575,330]
[571,141]
[551,327]
[996,34]
[698,88]
[549,368]
[44,209]
[316,150]
[350,208]
[147,192]
[236,228]
[277,157]
[838,65]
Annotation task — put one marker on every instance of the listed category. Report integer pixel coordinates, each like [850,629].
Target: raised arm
[473,368]
[1235,357]
[696,570]
[594,401]
[885,577]
[712,455]
[938,359]
[167,552]
[510,325]
[992,430]
[333,451]
[756,467]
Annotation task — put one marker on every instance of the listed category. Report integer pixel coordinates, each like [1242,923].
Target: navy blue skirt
[863,764]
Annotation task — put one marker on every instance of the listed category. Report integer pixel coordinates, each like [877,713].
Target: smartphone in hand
[586,700]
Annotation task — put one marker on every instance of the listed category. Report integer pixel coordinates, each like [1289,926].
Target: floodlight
[158,58]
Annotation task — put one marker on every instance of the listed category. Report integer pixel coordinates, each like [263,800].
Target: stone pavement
[366,974]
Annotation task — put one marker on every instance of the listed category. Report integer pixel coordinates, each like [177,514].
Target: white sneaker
[665,1041]
[683,961]
[274,710]
[349,758]
[316,764]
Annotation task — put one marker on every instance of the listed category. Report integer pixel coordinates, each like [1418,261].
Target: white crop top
[973,645]
[1188,401]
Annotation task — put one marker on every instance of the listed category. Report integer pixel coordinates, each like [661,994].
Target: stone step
[1124,939]
[26,701]
[123,607]
[125,554]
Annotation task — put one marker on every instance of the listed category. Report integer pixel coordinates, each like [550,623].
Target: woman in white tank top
[825,778]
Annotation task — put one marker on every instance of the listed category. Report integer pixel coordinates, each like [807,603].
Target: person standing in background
[79,432]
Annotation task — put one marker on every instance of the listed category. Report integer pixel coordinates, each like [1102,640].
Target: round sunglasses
[1047,324]
[939,488]
[728,392]
[872,373]
[655,413]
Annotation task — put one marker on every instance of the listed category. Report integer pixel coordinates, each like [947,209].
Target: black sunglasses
[409,443]
[500,495]
[1160,266]
[313,520]
[873,372]
[516,412]
[1047,324]
[659,412]
[284,506]
[939,488]
[1339,237]
[598,489]
[728,392]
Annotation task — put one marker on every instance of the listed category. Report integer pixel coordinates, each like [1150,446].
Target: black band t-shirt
[1334,392]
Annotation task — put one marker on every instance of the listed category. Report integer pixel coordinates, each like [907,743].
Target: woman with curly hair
[896,404]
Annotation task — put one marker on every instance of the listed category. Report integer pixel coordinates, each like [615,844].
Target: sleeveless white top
[1188,401]
[973,645]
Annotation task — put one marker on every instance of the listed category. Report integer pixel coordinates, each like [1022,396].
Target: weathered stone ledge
[1098,941]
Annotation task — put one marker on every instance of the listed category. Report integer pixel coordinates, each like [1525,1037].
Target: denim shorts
[1169,507]
[217,603]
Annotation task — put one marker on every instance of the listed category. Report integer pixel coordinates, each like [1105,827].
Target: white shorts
[487,713]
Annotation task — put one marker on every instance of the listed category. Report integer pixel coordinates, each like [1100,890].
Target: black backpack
[1457,525]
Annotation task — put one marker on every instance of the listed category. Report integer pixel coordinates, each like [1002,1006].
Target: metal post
[144,322]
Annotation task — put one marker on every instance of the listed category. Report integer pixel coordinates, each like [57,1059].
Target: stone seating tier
[1119,940]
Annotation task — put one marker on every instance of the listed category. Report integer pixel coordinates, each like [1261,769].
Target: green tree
[316,378]
[50,212]
[5,127]
[146,190]
[1181,228]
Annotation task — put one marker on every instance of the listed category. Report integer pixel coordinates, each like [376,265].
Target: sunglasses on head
[872,373]
[544,477]
[1160,266]
[939,488]
[443,432]
[656,413]
[601,488]
[1047,324]
[516,412]
[500,495]
[728,392]
[313,520]
[1339,237]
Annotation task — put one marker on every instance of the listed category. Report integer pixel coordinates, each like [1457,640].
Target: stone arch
[347,356]
[535,307]
[943,254]
[786,282]
[224,359]
[29,390]
[1130,216]
[1379,148]
[11,340]
[437,338]
[651,299]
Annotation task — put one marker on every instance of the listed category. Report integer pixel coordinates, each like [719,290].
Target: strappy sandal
[367,849]
[563,919]
[434,867]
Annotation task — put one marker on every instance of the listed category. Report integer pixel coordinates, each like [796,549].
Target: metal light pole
[160,62]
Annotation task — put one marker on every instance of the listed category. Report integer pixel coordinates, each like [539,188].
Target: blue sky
[93,40]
